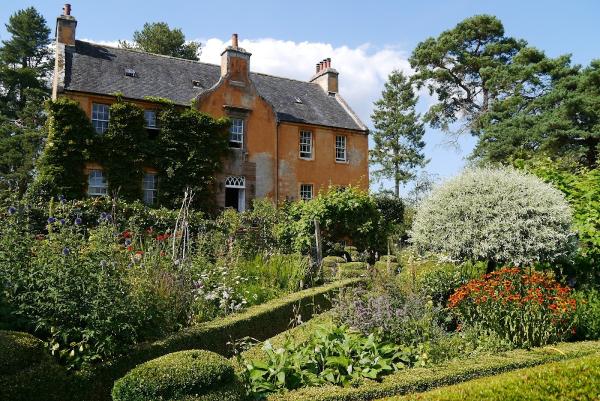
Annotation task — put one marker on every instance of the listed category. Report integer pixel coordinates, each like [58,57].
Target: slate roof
[100,69]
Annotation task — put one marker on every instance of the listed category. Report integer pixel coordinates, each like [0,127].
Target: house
[289,138]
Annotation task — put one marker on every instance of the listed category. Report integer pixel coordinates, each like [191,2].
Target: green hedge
[329,267]
[391,258]
[27,371]
[577,379]
[456,371]
[352,269]
[202,375]
[382,266]
[260,322]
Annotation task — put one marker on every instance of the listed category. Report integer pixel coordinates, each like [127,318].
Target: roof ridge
[185,60]
[148,53]
[277,76]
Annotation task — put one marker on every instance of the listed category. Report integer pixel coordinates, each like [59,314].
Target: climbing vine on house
[188,151]
[61,165]
[192,146]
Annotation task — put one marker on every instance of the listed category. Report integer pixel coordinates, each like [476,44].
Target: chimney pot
[234,40]
[67,9]
[328,62]
[317,69]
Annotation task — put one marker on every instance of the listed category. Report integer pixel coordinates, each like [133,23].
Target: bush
[330,267]
[587,318]
[575,379]
[408,319]
[332,355]
[27,371]
[352,269]
[217,335]
[386,267]
[524,309]
[342,214]
[496,215]
[174,376]
[456,371]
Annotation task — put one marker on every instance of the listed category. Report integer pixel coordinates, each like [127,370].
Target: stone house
[289,138]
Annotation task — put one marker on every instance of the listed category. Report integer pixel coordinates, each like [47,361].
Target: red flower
[126,234]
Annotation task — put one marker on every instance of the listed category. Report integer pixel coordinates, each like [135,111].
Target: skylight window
[130,72]
[298,100]
[196,83]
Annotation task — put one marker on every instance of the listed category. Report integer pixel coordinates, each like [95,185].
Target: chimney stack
[65,27]
[235,62]
[325,76]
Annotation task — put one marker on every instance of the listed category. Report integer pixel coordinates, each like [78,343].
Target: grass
[577,379]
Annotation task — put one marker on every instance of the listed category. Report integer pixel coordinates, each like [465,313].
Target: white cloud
[363,69]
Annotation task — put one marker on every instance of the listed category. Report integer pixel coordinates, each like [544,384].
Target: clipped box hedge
[260,322]
[456,371]
[352,269]
[383,266]
[194,374]
[28,372]
[577,379]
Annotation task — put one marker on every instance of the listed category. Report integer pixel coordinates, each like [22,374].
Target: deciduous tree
[157,37]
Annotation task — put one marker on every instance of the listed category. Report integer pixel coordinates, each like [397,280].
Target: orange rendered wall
[322,170]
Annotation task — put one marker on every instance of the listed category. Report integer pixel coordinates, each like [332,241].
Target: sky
[365,40]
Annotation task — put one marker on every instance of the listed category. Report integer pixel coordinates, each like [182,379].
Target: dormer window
[130,72]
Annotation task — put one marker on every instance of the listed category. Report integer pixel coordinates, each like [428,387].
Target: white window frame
[97,185]
[306,145]
[238,182]
[150,188]
[306,192]
[341,152]
[150,122]
[236,133]
[100,117]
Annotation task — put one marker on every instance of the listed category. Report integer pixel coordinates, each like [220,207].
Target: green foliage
[215,335]
[342,213]
[26,370]
[124,150]
[61,165]
[587,317]
[333,355]
[498,215]
[174,376]
[581,187]
[559,119]
[352,269]
[460,370]
[157,37]
[191,149]
[391,210]
[24,60]
[398,134]
[576,379]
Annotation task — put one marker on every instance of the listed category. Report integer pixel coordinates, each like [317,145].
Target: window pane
[149,188]
[236,133]
[306,144]
[340,148]
[150,117]
[306,191]
[100,117]
[96,183]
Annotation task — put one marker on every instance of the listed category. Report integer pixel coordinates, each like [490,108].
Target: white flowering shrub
[499,215]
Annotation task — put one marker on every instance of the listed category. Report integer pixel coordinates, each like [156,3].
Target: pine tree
[398,134]
[25,60]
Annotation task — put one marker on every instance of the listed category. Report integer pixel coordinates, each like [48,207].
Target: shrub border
[260,322]
[456,371]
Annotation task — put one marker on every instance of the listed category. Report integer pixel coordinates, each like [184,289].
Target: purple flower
[62,198]
[103,216]
[66,251]
[127,242]
[62,222]
[51,220]
[12,210]
[78,221]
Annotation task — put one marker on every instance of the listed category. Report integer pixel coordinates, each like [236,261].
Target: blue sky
[365,39]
